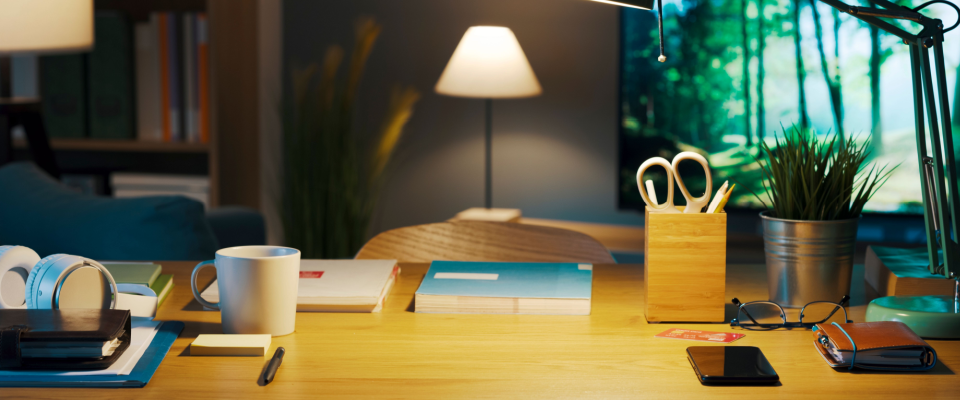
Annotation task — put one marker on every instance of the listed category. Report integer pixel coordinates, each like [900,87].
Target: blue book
[166,334]
[505,288]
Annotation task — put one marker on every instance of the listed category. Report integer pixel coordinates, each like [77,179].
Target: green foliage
[331,180]
[811,179]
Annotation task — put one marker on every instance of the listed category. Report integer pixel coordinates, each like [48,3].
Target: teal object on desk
[139,377]
[930,317]
[506,279]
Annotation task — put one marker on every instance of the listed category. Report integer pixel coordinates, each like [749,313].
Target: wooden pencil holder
[685,267]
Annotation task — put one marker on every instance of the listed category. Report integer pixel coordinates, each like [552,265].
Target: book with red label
[700,336]
[338,285]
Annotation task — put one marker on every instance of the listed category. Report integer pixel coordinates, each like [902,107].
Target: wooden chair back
[484,241]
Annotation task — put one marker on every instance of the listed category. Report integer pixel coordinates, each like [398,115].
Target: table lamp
[928,316]
[37,27]
[488,64]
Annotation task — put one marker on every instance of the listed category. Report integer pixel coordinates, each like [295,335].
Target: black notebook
[62,339]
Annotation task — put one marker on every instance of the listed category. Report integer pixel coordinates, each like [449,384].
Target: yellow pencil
[723,201]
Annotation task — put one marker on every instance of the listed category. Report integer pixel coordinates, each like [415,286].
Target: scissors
[694,204]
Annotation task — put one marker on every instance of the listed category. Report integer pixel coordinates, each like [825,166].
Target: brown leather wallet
[887,345]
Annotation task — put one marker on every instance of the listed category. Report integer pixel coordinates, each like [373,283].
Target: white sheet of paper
[143,332]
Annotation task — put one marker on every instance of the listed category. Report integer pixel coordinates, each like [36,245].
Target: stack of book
[172,78]
[146,81]
[139,185]
[146,274]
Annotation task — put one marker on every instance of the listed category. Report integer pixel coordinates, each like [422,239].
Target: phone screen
[731,364]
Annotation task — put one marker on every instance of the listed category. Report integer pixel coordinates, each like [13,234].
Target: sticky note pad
[230,345]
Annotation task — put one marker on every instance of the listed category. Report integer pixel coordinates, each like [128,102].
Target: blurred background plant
[812,179]
[332,173]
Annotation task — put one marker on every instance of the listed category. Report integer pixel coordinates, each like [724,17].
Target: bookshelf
[231,157]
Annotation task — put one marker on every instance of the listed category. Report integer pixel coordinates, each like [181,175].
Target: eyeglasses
[767,315]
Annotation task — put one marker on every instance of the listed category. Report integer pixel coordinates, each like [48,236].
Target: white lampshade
[488,63]
[45,26]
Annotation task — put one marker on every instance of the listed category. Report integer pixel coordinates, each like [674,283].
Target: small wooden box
[685,267]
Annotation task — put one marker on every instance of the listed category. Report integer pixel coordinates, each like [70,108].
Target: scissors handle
[694,204]
[667,205]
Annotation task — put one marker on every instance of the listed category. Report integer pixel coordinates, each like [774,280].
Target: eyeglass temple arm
[843,301]
[740,305]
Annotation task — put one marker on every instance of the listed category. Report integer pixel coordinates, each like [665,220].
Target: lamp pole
[939,186]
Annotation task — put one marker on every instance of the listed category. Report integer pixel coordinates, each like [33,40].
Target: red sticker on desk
[700,336]
[311,274]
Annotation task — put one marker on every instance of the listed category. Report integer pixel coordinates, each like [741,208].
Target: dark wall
[554,156]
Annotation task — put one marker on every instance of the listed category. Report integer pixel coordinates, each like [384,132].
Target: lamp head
[641,4]
[489,64]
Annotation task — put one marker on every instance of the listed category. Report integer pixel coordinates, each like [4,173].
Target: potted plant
[333,173]
[817,188]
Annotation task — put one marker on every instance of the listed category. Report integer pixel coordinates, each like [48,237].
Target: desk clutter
[260,288]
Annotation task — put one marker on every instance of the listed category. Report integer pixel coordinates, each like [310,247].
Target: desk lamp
[37,27]
[928,316]
[488,64]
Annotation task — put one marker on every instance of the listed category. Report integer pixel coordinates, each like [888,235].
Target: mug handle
[193,285]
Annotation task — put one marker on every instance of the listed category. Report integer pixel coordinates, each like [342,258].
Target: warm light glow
[488,63]
[641,4]
[45,26]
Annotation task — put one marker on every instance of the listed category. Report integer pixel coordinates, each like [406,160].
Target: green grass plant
[813,179]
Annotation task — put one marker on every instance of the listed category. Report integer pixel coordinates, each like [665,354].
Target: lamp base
[930,317]
[488,214]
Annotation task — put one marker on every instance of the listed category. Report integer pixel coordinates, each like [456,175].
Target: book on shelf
[172,78]
[505,288]
[126,184]
[63,95]
[110,78]
[337,285]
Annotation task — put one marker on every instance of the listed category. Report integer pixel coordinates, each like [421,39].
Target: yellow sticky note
[230,345]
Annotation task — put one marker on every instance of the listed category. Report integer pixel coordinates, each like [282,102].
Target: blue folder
[139,377]
[513,280]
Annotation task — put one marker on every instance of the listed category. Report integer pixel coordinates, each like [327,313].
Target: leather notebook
[887,345]
[74,339]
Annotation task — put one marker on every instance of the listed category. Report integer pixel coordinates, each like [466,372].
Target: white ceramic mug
[258,289]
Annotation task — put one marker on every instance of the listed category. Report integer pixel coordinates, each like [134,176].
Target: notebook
[505,288]
[136,273]
[151,340]
[882,345]
[337,285]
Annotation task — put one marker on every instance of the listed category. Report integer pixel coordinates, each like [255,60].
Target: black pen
[274,364]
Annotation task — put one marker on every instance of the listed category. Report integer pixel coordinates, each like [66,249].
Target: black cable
[957,9]
[662,57]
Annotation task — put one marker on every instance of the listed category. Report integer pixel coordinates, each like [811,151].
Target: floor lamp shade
[489,64]
[45,26]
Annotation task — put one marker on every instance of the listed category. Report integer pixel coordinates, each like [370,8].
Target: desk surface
[609,354]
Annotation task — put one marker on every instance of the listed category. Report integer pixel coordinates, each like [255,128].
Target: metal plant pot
[808,260]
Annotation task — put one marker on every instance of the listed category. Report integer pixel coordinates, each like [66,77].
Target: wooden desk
[609,354]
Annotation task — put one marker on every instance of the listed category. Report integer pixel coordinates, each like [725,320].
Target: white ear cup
[35,277]
[47,278]
[16,263]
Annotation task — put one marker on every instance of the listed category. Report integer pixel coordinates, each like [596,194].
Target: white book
[149,111]
[337,285]
[120,179]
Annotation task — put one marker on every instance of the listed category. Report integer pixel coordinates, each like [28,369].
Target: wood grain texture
[484,241]
[685,259]
[610,354]
[621,238]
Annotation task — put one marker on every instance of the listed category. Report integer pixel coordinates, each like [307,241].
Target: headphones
[45,278]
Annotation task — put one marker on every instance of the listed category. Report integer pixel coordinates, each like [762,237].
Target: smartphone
[737,365]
